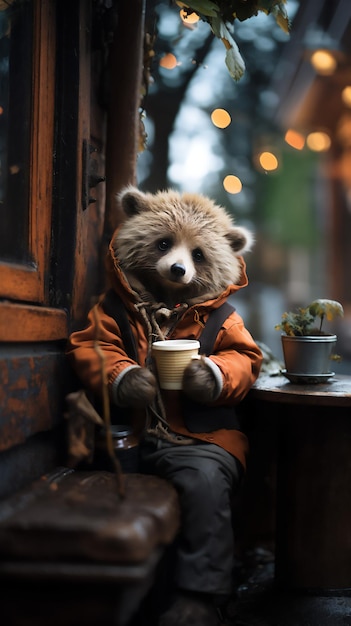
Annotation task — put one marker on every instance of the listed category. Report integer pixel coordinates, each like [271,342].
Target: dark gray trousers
[205,477]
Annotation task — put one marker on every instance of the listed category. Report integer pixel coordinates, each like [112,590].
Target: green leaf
[296,323]
[281,18]
[277,8]
[233,58]
[327,308]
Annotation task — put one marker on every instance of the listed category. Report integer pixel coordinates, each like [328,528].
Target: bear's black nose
[177,269]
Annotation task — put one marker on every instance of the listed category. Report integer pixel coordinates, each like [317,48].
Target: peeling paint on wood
[30,394]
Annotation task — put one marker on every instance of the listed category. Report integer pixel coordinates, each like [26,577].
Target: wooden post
[125,72]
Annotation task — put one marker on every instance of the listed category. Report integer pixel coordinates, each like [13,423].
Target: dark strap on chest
[113,306]
[213,326]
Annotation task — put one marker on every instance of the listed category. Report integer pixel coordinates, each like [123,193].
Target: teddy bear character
[173,261]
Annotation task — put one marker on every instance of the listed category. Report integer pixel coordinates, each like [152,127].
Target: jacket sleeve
[98,347]
[238,358]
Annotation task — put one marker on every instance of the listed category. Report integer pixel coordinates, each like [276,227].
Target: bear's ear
[132,201]
[240,239]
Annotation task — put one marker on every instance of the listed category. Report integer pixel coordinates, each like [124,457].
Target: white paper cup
[171,357]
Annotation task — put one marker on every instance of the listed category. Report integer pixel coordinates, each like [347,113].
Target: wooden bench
[73,552]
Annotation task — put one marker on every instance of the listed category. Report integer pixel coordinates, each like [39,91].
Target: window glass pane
[16,25]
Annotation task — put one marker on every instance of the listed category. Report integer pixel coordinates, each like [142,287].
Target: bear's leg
[205,477]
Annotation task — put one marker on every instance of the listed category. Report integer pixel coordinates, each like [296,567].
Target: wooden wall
[79,91]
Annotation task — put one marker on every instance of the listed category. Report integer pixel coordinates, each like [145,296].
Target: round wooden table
[313,501]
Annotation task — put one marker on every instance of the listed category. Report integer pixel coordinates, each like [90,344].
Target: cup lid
[176,344]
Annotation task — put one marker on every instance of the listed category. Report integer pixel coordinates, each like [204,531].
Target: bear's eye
[197,255]
[164,244]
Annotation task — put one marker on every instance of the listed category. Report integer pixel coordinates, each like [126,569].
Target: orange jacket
[235,353]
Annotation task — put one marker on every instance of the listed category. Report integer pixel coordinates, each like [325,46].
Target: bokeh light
[220,118]
[188,18]
[318,141]
[346,95]
[323,62]
[268,161]
[168,61]
[294,139]
[232,184]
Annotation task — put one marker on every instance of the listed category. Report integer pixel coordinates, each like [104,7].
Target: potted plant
[307,348]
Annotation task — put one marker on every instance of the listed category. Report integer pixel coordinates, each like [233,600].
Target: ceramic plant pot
[308,355]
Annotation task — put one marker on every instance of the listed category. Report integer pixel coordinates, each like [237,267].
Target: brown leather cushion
[78,515]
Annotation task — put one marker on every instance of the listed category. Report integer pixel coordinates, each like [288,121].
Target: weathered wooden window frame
[28,283]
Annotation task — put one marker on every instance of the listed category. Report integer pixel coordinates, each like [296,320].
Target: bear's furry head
[178,246]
